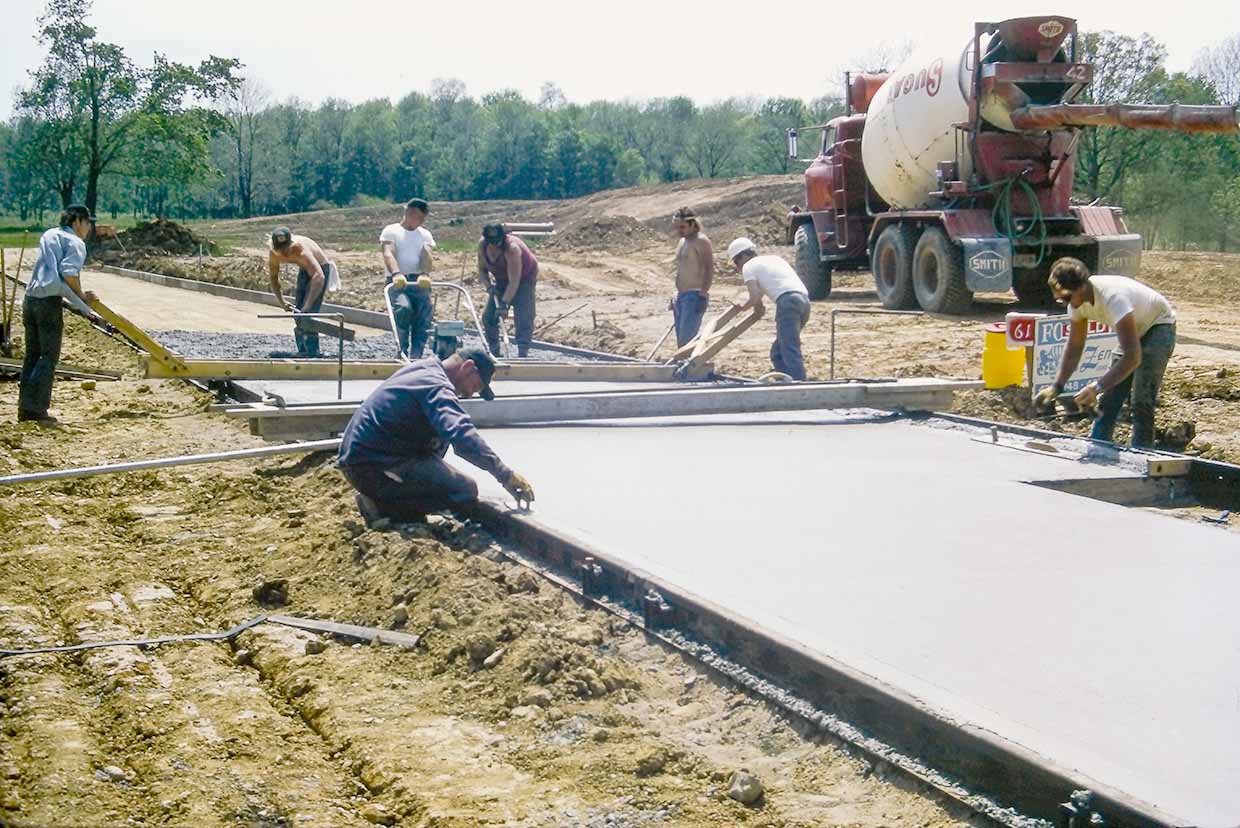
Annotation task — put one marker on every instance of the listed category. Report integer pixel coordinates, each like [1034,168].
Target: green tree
[1126,69]
[775,117]
[95,98]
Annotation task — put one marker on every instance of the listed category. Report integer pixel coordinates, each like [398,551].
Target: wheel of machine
[814,273]
[1032,291]
[938,274]
[891,262]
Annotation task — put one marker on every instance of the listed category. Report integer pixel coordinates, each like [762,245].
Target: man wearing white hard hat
[405,247]
[772,277]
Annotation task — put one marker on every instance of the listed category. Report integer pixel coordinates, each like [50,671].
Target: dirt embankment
[521,707]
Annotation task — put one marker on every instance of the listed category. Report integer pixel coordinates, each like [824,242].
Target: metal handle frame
[861,312]
[461,292]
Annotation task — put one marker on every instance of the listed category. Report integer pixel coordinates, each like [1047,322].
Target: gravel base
[200,345]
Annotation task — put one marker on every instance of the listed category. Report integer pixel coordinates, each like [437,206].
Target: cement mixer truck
[953,174]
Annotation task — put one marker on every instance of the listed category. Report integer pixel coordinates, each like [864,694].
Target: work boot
[368,509]
[40,417]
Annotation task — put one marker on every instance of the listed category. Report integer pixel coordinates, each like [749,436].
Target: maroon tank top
[499,267]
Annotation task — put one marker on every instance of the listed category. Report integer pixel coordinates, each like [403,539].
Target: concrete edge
[1215,483]
[352,315]
[1011,774]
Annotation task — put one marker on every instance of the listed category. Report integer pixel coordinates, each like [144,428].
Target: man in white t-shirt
[772,277]
[1143,320]
[406,250]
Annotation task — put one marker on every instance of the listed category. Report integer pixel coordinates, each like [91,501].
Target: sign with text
[1050,338]
[1020,328]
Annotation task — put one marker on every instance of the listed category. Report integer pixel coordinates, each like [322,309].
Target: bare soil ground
[582,722]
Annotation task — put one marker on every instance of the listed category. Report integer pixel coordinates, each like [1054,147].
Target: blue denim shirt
[61,253]
[415,413]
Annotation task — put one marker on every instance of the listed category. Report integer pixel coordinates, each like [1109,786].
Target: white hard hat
[739,246]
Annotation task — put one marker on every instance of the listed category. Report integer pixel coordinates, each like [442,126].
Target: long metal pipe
[1178,117]
[166,462]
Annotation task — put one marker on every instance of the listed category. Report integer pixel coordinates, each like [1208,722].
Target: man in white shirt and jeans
[406,250]
[771,276]
[1143,320]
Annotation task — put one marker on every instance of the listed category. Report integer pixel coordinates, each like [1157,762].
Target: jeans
[414,317]
[414,488]
[44,322]
[1140,388]
[307,340]
[522,309]
[687,313]
[791,314]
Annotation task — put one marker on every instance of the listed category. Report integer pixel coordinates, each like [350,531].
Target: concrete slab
[1097,636]
[154,307]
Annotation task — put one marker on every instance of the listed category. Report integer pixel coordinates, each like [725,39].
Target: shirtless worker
[508,270]
[316,274]
[695,271]
[406,250]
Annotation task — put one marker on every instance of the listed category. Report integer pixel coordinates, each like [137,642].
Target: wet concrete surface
[1098,636]
[154,307]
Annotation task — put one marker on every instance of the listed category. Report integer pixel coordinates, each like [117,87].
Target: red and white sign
[1021,328]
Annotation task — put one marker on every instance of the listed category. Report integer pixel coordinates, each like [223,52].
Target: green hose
[1001,215]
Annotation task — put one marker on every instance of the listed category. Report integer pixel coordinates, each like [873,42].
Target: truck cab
[831,232]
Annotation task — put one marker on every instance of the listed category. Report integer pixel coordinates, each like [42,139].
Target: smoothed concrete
[1101,637]
[155,307]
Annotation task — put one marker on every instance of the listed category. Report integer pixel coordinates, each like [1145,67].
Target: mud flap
[1119,255]
[987,264]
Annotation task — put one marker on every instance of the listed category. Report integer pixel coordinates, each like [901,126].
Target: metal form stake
[861,312]
[339,317]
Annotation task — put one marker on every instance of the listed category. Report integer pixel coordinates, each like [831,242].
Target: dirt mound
[160,236]
[619,233]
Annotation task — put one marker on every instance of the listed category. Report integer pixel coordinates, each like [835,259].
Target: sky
[637,49]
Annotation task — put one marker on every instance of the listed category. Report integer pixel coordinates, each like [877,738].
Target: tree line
[186,141]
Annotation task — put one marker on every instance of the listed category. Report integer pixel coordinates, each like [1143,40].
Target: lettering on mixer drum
[929,79]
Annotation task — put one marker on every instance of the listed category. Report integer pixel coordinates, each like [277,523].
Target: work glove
[1087,398]
[520,489]
[1044,401]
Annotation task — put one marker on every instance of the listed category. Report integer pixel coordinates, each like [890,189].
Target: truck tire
[815,274]
[938,274]
[891,262]
[1031,289]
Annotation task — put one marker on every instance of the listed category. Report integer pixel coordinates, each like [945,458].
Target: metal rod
[166,462]
[662,339]
[861,312]
[561,316]
[339,317]
[21,255]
